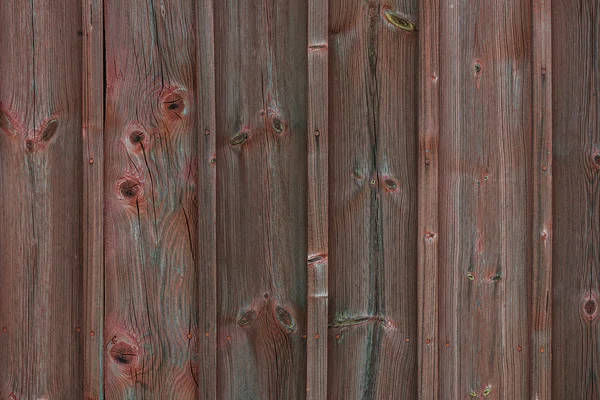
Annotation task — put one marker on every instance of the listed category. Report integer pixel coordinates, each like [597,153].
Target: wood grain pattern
[372,199]
[318,224]
[429,133]
[150,193]
[541,271]
[261,109]
[40,198]
[484,200]
[206,370]
[93,197]
[576,195]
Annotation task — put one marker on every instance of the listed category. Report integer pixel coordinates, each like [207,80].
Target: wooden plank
[261,108]
[207,239]
[429,134]
[484,202]
[151,217]
[576,184]
[372,199]
[541,276]
[40,200]
[93,197]
[318,38]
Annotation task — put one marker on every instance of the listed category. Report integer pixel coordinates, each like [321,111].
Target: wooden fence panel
[150,199]
[372,199]
[261,113]
[303,199]
[40,199]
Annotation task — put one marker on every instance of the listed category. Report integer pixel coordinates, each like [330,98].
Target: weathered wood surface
[40,196]
[261,113]
[303,199]
[150,193]
[576,224]
[484,198]
[372,199]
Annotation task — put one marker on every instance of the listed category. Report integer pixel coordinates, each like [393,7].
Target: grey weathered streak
[261,114]
[40,197]
[372,200]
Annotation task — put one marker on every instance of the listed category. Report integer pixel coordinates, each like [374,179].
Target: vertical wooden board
[372,199]
[541,178]
[93,197]
[428,219]
[576,195]
[207,249]
[485,217]
[261,97]
[150,185]
[318,205]
[40,195]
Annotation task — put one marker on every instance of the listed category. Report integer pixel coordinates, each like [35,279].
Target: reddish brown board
[40,200]
[373,91]
[485,198]
[93,197]
[576,177]
[261,114]
[150,199]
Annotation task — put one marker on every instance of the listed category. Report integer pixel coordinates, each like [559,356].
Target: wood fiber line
[41,298]
[261,113]
[151,197]
[485,201]
[373,61]
[317,259]
[576,196]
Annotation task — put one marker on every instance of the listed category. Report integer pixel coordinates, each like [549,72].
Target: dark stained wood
[93,197]
[484,198]
[206,370]
[318,38]
[429,342]
[541,178]
[576,195]
[40,200]
[261,113]
[373,64]
[150,190]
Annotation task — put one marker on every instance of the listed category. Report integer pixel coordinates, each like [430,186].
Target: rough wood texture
[261,106]
[150,199]
[372,199]
[576,183]
[40,198]
[429,133]
[484,201]
[93,197]
[318,37]
[541,178]
[207,186]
